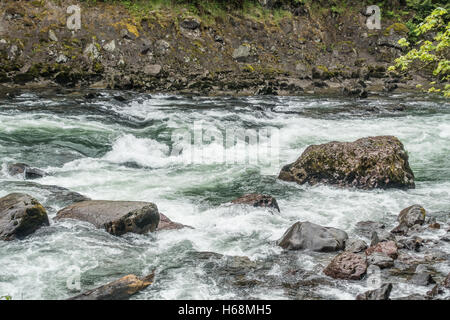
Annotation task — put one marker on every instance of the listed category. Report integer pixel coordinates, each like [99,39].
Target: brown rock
[120,289]
[20,215]
[117,217]
[367,163]
[387,247]
[347,265]
[447,281]
[167,224]
[258,200]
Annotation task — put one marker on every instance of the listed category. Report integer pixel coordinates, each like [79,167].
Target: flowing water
[124,150]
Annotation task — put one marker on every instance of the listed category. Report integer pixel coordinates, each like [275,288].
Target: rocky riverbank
[176,51]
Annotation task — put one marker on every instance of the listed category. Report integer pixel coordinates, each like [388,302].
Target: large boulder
[120,289]
[347,265]
[258,200]
[307,235]
[409,217]
[367,163]
[25,170]
[20,215]
[117,217]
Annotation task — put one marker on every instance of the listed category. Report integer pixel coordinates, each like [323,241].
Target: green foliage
[432,53]
[5,298]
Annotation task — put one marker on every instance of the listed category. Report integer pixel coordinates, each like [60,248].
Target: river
[130,150]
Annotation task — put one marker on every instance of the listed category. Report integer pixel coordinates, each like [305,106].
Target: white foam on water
[179,183]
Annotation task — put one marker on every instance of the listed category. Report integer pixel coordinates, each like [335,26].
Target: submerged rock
[347,265]
[446,282]
[25,170]
[409,217]
[257,200]
[307,235]
[381,236]
[20,215]
[120,289]
[167,224]
[367,163]
[366,228]
[52,195]
[382,293]
[380,259]
[422,278]
[117,217]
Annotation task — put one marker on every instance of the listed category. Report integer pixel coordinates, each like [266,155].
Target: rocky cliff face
[174,51]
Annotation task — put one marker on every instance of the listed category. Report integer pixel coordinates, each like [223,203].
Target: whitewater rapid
[110,150]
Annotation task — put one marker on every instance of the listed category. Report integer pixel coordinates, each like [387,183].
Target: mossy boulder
[367,163]
[116,217]
[20,215]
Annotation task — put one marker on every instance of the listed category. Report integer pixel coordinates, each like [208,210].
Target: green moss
[398,28]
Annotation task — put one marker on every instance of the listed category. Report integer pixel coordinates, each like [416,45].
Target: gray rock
[117,217]
[382,293]
[190,23]
[355,245]
[381,236]
[52,36]
[152,69]
[162,46]
[380,259]
[91,51]
[307,235]
[61,59]
[20,215]
[242,53]
[25,170]
[110,46]
[422,278]
[121,289]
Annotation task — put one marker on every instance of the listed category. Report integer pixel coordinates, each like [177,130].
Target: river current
[134,149]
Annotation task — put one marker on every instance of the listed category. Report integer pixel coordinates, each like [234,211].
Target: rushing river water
[124,150]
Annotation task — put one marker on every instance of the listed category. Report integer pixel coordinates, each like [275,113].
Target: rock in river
[117,217]
[408,217]
[166,224]
[257,200]
[347,265]
[367,163]
[120,289]
[25,170]
[20,215]
[382,293]
[307,235]
[388,248]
